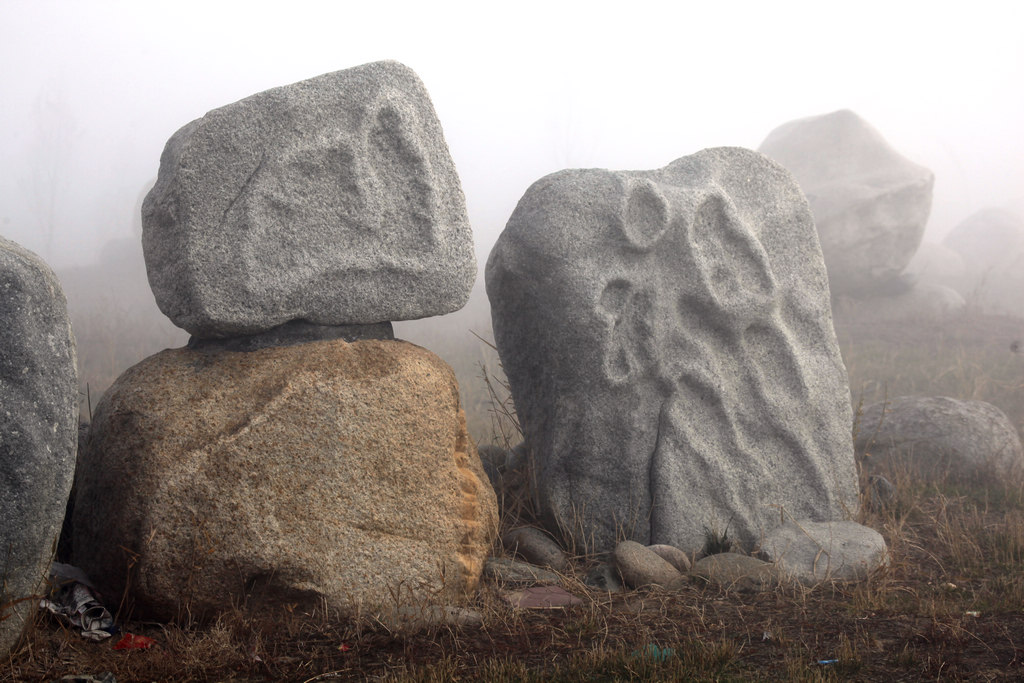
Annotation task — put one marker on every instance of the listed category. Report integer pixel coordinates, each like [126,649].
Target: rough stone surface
[333,200]
[38,429]
[673,555]
[870,204]
[328,471]
[640,566]
[939,435]
[535,546]
[991,243]
[507,571]
[737,572]
[812,552]
[668,341]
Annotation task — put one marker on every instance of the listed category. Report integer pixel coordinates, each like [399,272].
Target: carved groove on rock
[645,214]
[401,168]
[720,240]
[631,348]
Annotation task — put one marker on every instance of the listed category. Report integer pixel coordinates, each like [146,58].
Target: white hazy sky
[90,90]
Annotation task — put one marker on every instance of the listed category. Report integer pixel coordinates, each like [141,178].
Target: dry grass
[949,606]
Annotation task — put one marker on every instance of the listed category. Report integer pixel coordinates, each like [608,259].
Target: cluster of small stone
[807,553]
[276,456]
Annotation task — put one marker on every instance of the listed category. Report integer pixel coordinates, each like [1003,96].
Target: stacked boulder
[38,430]
[294,451]
[870,207]
[668,340]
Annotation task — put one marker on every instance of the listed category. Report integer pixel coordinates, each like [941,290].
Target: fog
[91,91]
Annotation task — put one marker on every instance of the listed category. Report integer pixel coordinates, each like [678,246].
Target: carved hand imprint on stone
[631,346]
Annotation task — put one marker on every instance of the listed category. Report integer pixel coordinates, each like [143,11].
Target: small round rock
[641,566]
[535,546]
[673,555]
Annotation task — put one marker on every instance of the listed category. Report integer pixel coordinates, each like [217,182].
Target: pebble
[535,546]
[640,566]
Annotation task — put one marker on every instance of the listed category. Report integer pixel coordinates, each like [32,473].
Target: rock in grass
[870,203]
[535,546]
[938,435]
[38,430]
[641,566]
[673,555]
[667,337]
[737,572]
[326,471]
[509,572]
[333,200]
[813,552]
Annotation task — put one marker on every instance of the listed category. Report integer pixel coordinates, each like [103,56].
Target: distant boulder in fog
[991,244]
[937,264]
[870,204]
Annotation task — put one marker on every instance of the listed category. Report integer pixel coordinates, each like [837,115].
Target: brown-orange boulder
[339,473]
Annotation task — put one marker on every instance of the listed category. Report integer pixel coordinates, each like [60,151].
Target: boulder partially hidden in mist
[919,302]
[870,204]
[937,436]
[322,471]
[333,200]
[668,341]
[38,430]
[991,244]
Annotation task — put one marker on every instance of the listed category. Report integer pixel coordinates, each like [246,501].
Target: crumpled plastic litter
[72,598]
[654,653]
[105,677]
[130,641]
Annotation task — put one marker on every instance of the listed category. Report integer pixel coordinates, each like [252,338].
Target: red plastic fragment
[134,642]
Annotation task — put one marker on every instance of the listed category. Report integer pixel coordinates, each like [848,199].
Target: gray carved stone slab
[334,201]
[870,203]
[668,341]
[38,429]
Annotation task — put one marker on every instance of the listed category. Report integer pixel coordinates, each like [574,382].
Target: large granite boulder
[333,200]
[991,243]
[323,471]
[870,204]
[38,430]
[668,341]
[935,436]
